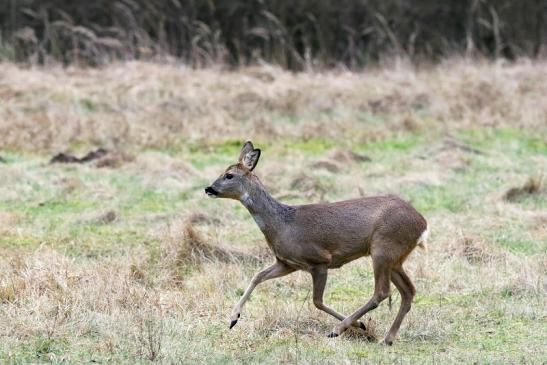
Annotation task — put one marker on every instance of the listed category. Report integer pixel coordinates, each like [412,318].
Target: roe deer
[318,237]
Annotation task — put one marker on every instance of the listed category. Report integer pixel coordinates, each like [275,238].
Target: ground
[125,260]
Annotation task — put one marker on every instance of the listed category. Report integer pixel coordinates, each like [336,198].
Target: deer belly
[293,263]
[342,257]
[302,258]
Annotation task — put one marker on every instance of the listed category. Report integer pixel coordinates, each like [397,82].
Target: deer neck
[269,214]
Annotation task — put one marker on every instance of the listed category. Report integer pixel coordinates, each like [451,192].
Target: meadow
[124,259]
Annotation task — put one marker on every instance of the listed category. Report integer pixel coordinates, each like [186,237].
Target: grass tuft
[533,186]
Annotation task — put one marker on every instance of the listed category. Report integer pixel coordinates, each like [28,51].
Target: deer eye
[229,176]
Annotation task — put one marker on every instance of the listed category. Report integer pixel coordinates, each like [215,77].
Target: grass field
[125,259]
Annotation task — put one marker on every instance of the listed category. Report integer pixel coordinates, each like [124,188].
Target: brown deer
[318,237]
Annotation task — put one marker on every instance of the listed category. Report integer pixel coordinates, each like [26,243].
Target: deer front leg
[275,271]
[319,276]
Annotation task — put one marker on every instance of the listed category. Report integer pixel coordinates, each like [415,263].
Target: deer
[318,237]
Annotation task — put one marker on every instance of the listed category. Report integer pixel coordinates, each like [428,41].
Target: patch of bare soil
[326,165]
[107,217]
[67,158]
[348,156]
[531,187]
[99,158]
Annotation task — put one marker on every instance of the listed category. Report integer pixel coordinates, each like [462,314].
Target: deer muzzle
[211,192]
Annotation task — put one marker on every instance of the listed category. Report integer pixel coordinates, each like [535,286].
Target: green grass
[510,140]
[59,207]
[514,239]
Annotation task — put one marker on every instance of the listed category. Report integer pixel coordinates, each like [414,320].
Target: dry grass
[187,247]
[160,105]
[131,263]
[146,314]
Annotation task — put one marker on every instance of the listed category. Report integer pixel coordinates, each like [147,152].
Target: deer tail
[422,241]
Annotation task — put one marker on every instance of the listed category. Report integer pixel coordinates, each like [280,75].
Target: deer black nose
[210,191]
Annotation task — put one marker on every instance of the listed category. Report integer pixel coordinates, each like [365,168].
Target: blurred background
[292,34]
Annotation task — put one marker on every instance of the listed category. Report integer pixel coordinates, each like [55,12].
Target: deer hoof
[362,326]
[234,321]
[332,335]
[387,342]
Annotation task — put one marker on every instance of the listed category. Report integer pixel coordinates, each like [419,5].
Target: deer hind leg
[406,288]
[319,275]
[382,271]
[275,271]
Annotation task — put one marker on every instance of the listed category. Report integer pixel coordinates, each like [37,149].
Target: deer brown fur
[318,237]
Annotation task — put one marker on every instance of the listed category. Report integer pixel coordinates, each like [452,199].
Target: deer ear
[247,147]
[251,159]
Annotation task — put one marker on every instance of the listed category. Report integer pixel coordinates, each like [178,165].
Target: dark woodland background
[292,34]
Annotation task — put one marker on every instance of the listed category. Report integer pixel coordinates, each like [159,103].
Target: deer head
[236,180]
